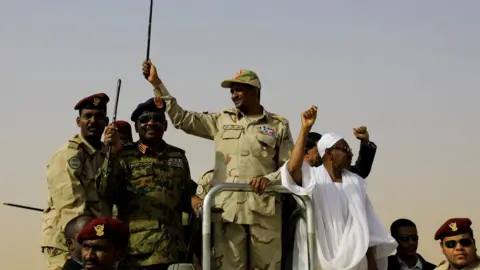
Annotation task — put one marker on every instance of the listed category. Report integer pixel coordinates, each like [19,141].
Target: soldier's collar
[238,114]
[144,149]
[90,149]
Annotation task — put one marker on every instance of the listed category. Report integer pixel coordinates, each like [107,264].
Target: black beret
[151,105]
[96,101]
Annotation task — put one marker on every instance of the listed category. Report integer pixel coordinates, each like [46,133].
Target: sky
[407,70]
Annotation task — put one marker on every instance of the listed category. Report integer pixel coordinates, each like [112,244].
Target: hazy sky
[408,70]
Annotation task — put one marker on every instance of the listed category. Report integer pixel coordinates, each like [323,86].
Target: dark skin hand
[259,183]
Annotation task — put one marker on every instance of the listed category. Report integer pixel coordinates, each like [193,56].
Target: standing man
[151,180]
[70,178]
[404,231]
[366,155]
[103,241]
[251,144]
[458,245]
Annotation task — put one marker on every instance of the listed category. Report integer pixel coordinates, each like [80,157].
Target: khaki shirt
[71,177]
[243,149]
[444,265]
[204,184]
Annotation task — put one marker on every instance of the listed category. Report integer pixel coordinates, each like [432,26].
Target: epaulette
[177,149]
[207,172]
[279,117]
[74,143]
[230,110]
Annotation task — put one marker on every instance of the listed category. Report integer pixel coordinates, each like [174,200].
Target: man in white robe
[348,232]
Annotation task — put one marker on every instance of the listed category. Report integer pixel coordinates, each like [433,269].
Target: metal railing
[207,212]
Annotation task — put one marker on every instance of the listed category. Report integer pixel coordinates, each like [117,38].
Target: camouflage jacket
[151,190]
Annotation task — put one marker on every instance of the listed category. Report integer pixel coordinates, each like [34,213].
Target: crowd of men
[120,204]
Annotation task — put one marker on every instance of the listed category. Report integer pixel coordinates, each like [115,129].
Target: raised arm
[294,165]
[203,125]
[366,155]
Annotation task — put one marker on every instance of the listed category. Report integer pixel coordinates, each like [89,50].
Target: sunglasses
[406,238]
[464,242]
[146,117]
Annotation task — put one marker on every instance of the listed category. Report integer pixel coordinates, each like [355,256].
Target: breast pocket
[142,179]
[265,148]
[228,141]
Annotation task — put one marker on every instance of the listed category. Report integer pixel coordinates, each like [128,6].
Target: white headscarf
[327,141]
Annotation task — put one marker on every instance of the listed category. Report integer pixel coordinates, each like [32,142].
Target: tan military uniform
[245,147]
[444,265]
[204,184]
[71,192]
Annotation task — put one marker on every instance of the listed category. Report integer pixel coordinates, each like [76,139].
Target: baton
[24,207]
[114,118]
[149,30]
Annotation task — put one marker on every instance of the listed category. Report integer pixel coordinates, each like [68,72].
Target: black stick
[24,207]
[149,30]
[114,118]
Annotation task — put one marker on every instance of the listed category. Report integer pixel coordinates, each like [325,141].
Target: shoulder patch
[74,162]
[280,118]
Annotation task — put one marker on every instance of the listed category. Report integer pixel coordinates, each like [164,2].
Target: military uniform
[152,191]
[245,147]
[71,190]
[204,184]
[452,227]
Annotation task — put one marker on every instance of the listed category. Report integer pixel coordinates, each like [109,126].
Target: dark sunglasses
[146,117]
[464,242]
[406,238]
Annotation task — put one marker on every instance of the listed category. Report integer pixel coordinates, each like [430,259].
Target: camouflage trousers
[232,242]
[55,257]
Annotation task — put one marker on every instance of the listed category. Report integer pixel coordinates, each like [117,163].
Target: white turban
[327,141]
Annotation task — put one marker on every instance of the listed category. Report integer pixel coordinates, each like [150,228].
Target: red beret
[112,229]
[96,101]
[122,124]
[453,226]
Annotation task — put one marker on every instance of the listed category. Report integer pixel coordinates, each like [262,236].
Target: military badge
[175,162]
[74,163]
[453,226]
[99,229]
[238,74]
[96,101]
[268,131]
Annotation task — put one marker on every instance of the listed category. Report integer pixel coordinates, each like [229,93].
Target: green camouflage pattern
[150,191]
[244,76]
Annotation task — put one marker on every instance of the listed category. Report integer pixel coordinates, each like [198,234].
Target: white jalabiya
[345,221]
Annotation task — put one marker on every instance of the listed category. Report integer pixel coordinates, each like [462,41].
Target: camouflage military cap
[244,76]
[95,101]
[112,229]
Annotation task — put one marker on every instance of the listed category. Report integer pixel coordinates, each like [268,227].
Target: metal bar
[207,211]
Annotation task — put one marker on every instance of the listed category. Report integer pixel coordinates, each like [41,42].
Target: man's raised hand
[361,133]
[150,73]
[308,117]
[112,139]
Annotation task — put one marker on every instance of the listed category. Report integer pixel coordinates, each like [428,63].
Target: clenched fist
[361,133]
[308,117]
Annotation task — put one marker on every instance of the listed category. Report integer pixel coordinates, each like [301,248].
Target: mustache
[90,261]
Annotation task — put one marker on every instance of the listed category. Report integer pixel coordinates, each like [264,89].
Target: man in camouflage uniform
[152,186]
[70,178]
[251,144]
[458,245]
